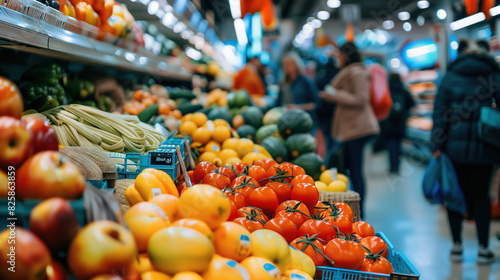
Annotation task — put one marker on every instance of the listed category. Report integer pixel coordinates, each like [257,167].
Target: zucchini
[189,108]
[148,113]
[181,94]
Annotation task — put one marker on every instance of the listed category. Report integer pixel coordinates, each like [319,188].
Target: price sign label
[210,126]
[156,192]
[334,173]
[161,158]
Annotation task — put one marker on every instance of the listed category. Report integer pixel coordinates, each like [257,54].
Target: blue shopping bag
[440,185]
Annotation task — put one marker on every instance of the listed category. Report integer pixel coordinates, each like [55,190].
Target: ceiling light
[308,28]
[179,27]
[309,19]
[454,45]
[420,20]
[395,62]
[423,50]
[187,34]
[470,20]
[316,23]
[333,4]
[441,14]
[407,26]
[153,7]
[241,33]
[495,11]
[235,7]
[169,20]
[423,4]
[388,24]
[404,16]
[192,53]
[323,15]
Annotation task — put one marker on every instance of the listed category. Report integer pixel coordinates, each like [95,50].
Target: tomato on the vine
[375,244]
[219,181]
[324,230]
[249,210]
[294,211]
[271,173]
[234,212]
[228,171]
[283,190]
[283,226]
[257,172]
[291,204]
[345,254]
[264,198]
[251,223]
[322,209]
[341,221]
[364,229]
[239,167]
[302,179]
[376,265]
[307,193]
[201,170]
[346,209]
[310,246]
[181,187]
[239,199]
[265,163]
[245,185]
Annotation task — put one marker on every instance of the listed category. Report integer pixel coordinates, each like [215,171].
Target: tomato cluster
[282,198]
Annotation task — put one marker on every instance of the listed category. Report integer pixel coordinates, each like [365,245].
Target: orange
[222,268]
[144,264]
[232,160]
[187,127]
[260,268]
[221,133]
[231,143]
[168,203]
[176,114]
[201,135]
[225,154]
[187,275]
[220,122]
[252,157]
[238,121]
[197,225]
[245,146]
[212,147]
[232,240]
[199,119]
[188,117]
[155,275]
[208,157]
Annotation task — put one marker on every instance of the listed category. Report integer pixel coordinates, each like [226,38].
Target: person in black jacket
[468,85]
[394,127]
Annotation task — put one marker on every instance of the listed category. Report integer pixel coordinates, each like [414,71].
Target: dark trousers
[353,158]
[394,148]
[475,183]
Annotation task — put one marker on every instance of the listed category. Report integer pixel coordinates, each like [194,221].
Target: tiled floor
[396,206]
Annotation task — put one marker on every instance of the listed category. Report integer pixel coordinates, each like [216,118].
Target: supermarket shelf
[24,33]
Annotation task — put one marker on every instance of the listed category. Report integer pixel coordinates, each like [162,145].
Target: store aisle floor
[396,206]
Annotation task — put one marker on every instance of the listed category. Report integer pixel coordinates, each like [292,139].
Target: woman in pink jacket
[354,122]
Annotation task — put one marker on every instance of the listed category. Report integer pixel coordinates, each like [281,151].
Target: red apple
[16,143]
[54,221]
[44,137]
[49,174]
[11,101]
[26,252]
[102,247]
[55,271]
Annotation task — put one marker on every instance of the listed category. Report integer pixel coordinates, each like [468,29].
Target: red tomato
[234,212]
[250,224]
[219,181]
[341,221]
[181,187]
[364,229]
[292,204]
[270,173]
[191,175]
[345,254]
[265,163]
[307,193]
[201,170]
[240,167]
[228,171]
[283,226]
[257,172]
[322,210]
[297,170]
[310,246]
[244,185]
[249,211]
[375,244]
[239,199]
[264,198]
[346,209]
[324,230]
[44,137]
[282,190]
[378,265]
[293,210]
[302,179]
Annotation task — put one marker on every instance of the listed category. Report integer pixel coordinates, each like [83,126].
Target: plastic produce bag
[440,185]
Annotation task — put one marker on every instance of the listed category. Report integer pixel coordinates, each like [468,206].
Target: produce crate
[177,141]
[54,17]
[403,269]
[350,198]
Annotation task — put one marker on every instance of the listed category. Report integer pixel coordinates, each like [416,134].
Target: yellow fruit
[221,133]
[212,147]
[238,121]
[197,225]
[177,249]
[232,160]
[188,128]
[155,275]
[272,246]
[231,143]
[221,122]
[262,150]
[232,240]
[337,186]
[326,176]
[187,275]
[321,186]
[295,274]
[199,119]
[302,262]
[207,156]
[222,268]
[343,178]
[188,117]
[244,147]
[261,269]
[226,154]
[202,135]
[144,264]
[252,157]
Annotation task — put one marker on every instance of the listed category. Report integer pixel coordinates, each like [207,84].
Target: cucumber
[148,113]
[181,94]
[189,108]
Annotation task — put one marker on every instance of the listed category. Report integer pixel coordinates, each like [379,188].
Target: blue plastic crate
[172,142]
[403,269]
[163,159]
[98,184]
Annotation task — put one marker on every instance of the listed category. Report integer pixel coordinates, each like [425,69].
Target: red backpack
[380,96]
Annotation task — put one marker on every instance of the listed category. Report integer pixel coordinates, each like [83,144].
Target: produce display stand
[403,269]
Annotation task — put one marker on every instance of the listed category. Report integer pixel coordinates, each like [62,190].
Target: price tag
[158,158]
[244,244]
[156,192]
[232,264]
[244,273]
[334,173]
[295,276]
[255,150]
[272,270]
[210,126]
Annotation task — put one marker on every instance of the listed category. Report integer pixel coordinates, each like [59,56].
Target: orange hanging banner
[471,6]
[349,33]
[269,20]
[250,7]
[487,5]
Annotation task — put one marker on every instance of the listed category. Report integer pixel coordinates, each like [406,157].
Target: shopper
[354,122]
[250,78]
[297,91]
[464,90]
[394,126]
